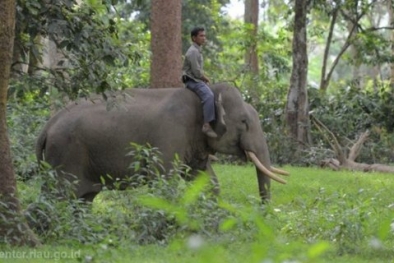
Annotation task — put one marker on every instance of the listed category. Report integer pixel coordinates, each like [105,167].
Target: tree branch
[357,18]
[378,28]
[334,144]
[323,85]
[356,148]
[326,79]
[344,48]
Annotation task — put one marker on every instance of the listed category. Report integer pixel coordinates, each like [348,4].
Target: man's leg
[207,98]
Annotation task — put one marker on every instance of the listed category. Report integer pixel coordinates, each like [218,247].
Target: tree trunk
[374,71]
[13,229]
[324,81]
[353,48]
[390,22]
[166,44]
[19,65]
[297,98]
[35,58]
[251,17]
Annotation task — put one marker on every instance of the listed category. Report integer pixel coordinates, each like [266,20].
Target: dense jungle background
[320,74]
[75,51]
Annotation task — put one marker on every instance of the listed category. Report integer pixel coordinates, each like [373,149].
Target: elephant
[87,140]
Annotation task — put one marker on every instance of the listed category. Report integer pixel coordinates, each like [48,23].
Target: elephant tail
[40,147]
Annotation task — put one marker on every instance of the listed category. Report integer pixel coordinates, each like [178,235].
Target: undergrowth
[325,222]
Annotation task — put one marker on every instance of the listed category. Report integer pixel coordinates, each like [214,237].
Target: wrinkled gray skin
[89,141]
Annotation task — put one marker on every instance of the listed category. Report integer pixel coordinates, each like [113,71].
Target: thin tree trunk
[391,21]
[35,58]
[297,98]
[13,229]
[326,77]
[251,17]
[19,66]
[323,80]
[374,70]
[166,44]
[353,49]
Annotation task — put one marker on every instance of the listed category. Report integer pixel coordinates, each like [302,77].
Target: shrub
[348,113]
[25,118]
[154,213]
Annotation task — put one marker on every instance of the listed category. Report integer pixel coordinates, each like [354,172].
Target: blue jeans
[206,96]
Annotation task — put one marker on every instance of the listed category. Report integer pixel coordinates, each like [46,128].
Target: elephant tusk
[279,171]
[263,169]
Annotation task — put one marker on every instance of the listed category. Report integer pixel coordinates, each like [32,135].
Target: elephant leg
[215,187]
[87,190]
[88,197]
[66,186]
[59,185]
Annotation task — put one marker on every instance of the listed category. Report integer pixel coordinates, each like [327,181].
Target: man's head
[198,35]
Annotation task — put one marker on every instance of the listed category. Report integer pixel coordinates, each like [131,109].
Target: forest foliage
[105,46]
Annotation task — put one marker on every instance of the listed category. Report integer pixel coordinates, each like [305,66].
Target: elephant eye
[246,124]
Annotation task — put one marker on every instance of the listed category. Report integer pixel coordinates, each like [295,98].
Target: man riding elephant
[88,142]
[195,79]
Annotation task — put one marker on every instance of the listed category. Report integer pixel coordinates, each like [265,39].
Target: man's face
[200,38]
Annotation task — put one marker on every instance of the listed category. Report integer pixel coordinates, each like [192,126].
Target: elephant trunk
[255,147]
[265,173]
[264,186]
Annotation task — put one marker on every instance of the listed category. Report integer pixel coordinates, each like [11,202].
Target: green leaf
[228,224]
[384,229]
[318,249]
[63,44]
[154,202]
[161,204]
[195,189]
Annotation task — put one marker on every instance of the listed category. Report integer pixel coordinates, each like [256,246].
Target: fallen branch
[349,162]
[356,148]
[334,144]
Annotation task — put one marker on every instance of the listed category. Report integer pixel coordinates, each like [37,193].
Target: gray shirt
[193,63]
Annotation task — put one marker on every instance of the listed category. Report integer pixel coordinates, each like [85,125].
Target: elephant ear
[220,125]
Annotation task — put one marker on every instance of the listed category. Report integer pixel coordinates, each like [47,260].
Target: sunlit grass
[350,212]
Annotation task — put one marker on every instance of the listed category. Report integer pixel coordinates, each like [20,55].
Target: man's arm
[196,68]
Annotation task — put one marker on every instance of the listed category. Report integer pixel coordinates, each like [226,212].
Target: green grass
[319,216]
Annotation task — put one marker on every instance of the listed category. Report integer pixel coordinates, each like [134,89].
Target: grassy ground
[319,216]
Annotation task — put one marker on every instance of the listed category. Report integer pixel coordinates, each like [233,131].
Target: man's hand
[205,79]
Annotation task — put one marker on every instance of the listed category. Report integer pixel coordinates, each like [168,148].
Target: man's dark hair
[195,31]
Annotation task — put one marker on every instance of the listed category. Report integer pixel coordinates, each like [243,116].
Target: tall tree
[166,43]
[391,23]
[354,47]
[12,228]
[363,40]
[206,13]
[297,97]
[251,19]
